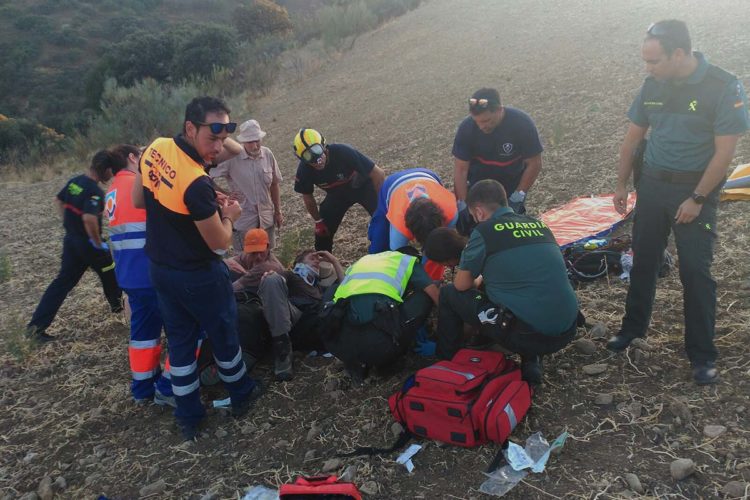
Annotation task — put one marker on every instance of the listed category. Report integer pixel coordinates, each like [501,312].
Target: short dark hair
[199,107]
[672,35]
[488,193]
[444,244]
[301,256]
[102,160]
[422,217]
[493,101]
[120,155]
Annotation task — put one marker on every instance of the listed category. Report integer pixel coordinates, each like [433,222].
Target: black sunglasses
[218,128]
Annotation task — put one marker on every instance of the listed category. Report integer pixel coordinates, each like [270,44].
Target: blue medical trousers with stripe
[191,301]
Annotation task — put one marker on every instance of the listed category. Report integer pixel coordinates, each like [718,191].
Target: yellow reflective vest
[385,273]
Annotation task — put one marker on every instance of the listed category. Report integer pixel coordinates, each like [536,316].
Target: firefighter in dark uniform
[188,229]
[696,113]
[346,175]
[527,305]
[81,203]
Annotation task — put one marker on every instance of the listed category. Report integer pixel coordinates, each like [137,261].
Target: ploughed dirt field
[66,415]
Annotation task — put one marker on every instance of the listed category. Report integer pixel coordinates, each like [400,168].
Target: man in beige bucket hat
[253,177]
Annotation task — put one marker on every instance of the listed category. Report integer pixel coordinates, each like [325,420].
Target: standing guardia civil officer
[188,229]
[696,113]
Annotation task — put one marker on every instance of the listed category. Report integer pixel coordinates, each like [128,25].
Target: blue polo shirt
[525,272]
[685,116]
[501,154]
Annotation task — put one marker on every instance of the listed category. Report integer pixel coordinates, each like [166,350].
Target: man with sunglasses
[495,142]
[346,175]
[188,230]
[696,113]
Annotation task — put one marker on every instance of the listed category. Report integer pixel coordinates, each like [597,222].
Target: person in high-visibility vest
[188,230]
[383,300]
[411,203]
[127,239]
[80,203]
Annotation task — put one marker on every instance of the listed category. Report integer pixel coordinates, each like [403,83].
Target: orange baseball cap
[256,240]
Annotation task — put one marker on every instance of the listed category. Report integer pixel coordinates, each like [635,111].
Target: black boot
[531,369]
[282,358]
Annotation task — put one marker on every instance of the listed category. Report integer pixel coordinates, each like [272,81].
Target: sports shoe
[705,373]
[619,342]
[283,358]
[240,409]
[189,432]
[162,400]
[38,336]
[531,370]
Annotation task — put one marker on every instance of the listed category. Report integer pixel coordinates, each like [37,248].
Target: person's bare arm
[278,217]
[136,195]
[217,231]
[725,146]
[433,292]
[311,205]
[463,280]
[378,177]
[59,206]
[460,176]
[231,149]
[91,225]
[633,137]
[530,173]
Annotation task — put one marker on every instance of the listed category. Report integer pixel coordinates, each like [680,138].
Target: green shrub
[259,19]
[207,47]
[339,23]
[19,137]
[32,23]
[139,113]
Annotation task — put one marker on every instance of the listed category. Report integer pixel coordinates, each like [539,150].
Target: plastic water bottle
[594,244]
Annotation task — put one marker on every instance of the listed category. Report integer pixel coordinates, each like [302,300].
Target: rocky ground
[638,426]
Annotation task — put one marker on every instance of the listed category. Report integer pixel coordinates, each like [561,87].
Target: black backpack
[587,265]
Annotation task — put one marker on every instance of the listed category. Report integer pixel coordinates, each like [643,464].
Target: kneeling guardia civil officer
[188,229]
[377,310]
[527,305]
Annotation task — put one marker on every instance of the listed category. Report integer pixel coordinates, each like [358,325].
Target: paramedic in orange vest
[188,230]
[127,239]
[411,203]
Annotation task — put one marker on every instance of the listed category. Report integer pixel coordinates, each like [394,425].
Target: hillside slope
[574,66]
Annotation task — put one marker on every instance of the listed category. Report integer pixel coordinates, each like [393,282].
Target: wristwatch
[698,198]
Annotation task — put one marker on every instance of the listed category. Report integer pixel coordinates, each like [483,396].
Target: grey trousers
[280,314]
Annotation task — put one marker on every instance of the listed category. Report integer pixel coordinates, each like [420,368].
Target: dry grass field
[398,95]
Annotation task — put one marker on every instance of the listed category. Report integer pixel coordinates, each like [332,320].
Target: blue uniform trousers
[192,301]
[78,254]
[145,334]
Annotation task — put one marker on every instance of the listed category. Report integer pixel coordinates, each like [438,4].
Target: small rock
[221,433]
[712,431]
[332,464]
[638,356]
[30,496]
[100,450]
[152,472]
[739,409]
[736,489]
[369,488]
[314,432]
[95,412]
[642,344]
[634,483]
[93,478]
[585,346]
[330,385]
[396,429]
[594,369]
[30,457]
[60,484]
[211,495]
[598,331]
[603,399]
[635,409]
[337,394]
[350,474]
[248,429]
[681,468]
[745,285]
[265,426]
[309,455]
[680,410]
[283,443]
[153,488]
[44,490]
